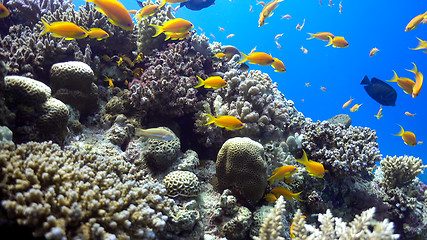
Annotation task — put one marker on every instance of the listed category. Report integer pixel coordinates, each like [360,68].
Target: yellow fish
[177,25]
[4,12]
[286,193]
[157,133]
[225,121]
[407,136]
[110,82]
[116,13]
[271,198]
[220,55]
[373,51]
[149,10]
[67,30]
[421,45]
[177,36]
[410,114]
[282,172]
[338,42]
[405,83]
[418,81]
[415,22]
[214,82]
[315,169]
[267,11]
[259,58]
[138,58]
[346,104]
[98,33]
[379,114]
[278,65]
[355,107]
[321,36]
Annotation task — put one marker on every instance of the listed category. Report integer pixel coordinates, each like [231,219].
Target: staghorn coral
[398,171]
[343,151]
[241,166]
[362,227]
[255,100]
[76,195]
[272,227]
[182,183]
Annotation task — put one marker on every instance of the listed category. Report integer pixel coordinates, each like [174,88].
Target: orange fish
[259,58]
[304,50]
[213,36]
[149,10]
[315,169]
[138,58]
[278,36]
[230,36]
[405,83]
[421,45]
[220,55]
[355,107]
[115,11]
[346,104]
[410,114]
[287,16]
[67,30]
[323,89]
[308,84]
[97,33]
[214,82]
[4,12]
[292,225]
[379,114]
[177,36]
[298,27]
[338,42]
[221,29]
[278,65]
[286,193]
[278,45]
[282,172]
[373,51]
[321,36]
[110,82]
[271,198]
[251,9]
[407,136]
[133,12]
[225,121]
[415,22]
[267,11]
[340,6]
[419,78]
[177,25]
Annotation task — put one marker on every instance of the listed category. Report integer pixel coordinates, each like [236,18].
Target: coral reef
[399,171]
[241,166]
[182,183]
[72,194]
[272,227]
[343,151]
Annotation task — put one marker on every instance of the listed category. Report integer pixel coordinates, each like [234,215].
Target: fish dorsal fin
[276,170]
[100,10]
[365,81]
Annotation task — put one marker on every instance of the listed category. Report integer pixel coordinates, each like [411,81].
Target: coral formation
[272,227]
[240,165]
[399,171]
[182,183]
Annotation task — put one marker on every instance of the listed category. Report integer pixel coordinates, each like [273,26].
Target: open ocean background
[364,24]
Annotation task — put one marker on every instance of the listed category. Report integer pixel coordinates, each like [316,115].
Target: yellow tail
[303,160]
[211,119]
[395,78]
[245,57]
[330,41]
[46,27]
[401,131]
[159,30]
[414,69]
[201,82]
[296,196]
[311,36]
[163,3]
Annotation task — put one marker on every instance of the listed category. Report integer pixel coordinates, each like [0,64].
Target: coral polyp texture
[399,171]
[241,166]
[75,195]
[343,151]
[182,183]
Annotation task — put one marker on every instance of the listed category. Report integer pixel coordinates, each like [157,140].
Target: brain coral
[75,195]
[241,166]
[182,183]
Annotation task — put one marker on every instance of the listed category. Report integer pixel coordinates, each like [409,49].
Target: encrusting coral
[75,195]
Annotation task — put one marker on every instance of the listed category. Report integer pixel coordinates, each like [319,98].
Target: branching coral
[272,228]
[398,171]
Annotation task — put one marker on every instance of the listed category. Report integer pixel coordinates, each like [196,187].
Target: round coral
[182,183]
[26,90]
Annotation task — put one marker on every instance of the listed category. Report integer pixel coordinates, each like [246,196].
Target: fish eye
[129,24]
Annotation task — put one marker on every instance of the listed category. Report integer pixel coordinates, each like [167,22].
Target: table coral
[76,195]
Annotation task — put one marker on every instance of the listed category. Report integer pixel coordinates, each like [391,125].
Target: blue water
[364,24]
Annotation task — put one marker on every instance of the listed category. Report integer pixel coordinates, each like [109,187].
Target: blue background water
[364,24]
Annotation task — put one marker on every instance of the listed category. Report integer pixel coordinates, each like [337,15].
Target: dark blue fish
[380,91]
[197,4]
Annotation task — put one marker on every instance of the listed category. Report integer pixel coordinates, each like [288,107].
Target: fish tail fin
[139,132]
[365,81]
[420,45]
[211,119]
[245,58]
[395,77]
[297,197]
[271,180]
[162,4]
[46,28]
[330,41]
[91,1]
[159,29]
[311,36]
[400,133]
[414,69]
[201,82]
[303,160]
[138,17]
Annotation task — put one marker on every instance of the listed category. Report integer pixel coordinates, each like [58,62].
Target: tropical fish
[379,114]
[251,9]
[225,121]
[321,36]
[214,82]
[415,22]
[149,10]
[307,84]
[407,136]
[278,45]
[177,36]
[340,6]
[338,42]
[110,81]
[278,65]
[355,107]
[67,30]
[292,225]
[380,91]
[97,33]
[197,4]
[220,55]
[213,36]
[138,58]
[177,25]
[115,11]
[175,1]
[4,12]
[405,83]
[287,16]
[299,27]
[267,11]
[119,62]
[230,36]
[346,104]
[259,58]
[323,89]
[221,29]
[304,50]
[106,58]
[315,169]
[282,172]
[230,51]
[410,114]
[157,133]
[421,45]
[419,78]
[373,51]
[278,36]
[133,12]
[271,198]
[286,193]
